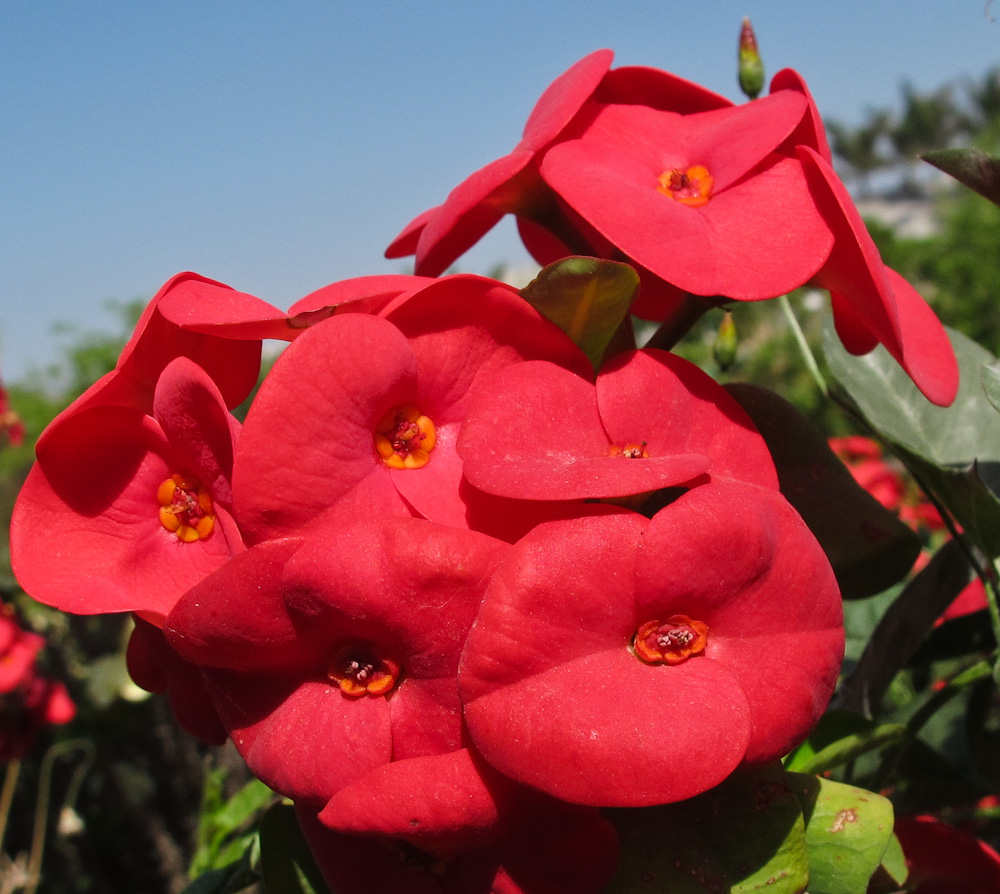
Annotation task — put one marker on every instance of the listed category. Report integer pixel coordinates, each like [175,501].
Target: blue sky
[279,147]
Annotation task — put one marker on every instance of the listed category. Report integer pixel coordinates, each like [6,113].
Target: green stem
[34,871]
[691,309]
[800,339]
[7,796]
[974,673]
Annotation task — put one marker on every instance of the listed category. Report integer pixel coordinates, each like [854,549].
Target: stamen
[404,438]
[186,508]
[671,641]
[358,672]
[629,451]
[691,187]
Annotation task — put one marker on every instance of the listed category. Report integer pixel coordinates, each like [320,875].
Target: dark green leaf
[287,865]
[226,828]
[953,451]
[237,876]
[893,871]
[869,547]
[588,299]
[848,830]
[974,168]
[945,436]
[850,748]
[991,383]
[745,835]
[903,628]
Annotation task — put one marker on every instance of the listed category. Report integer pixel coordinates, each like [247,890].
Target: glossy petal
[739,558]
[552,691]
[757,239]
[535,433]
[307,444]
[86,535]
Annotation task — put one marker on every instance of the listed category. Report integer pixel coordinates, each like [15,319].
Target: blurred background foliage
[136,820]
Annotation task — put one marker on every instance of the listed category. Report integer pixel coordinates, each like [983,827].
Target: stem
[800,339]
[687,312]
[7,796]
[979,670]
[34,873]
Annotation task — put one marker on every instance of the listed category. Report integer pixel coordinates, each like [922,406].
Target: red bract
[537,431]
[124,511]
[873,304]
[332,655]
[156,667]
[701,201]
[511,184]
[623,662]
[360,415]
[945,860]
[446,823]
[229,353]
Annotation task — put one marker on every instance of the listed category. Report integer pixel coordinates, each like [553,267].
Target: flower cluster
[455,585]
[29,701]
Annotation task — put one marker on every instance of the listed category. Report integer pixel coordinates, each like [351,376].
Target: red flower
[329,656]
[229,351]
[124,511]
[360,415]
[537,431]
[623,662]
[446,824]
[512,185]
[701,201]
[28,700]
[945,860]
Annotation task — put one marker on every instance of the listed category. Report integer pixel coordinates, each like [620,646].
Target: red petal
[514,444]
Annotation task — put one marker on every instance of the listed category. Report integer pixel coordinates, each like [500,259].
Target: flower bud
[751,69]
[724,349]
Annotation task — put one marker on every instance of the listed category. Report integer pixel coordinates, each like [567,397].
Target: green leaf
[287,865]
[588,299]
[839,737]
[226,828]
[991,383]
[848,830]
[891,875]
[974,168]
[903,628]
[945,436]
[745,835]
[868,546]
[852,747]
[953,451]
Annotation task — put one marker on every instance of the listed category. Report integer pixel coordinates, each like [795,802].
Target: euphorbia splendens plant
[482,580]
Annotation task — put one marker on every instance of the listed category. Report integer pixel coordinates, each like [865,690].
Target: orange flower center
[691,187]
[359,672]
[186,508]
[404,438]
[671,641]
[629,451]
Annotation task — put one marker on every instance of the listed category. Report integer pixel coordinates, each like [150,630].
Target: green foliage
[287,865]
[227,828]
[588,299]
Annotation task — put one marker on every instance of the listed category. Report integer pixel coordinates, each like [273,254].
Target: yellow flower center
[404,438]
[691,187]
[186,508]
